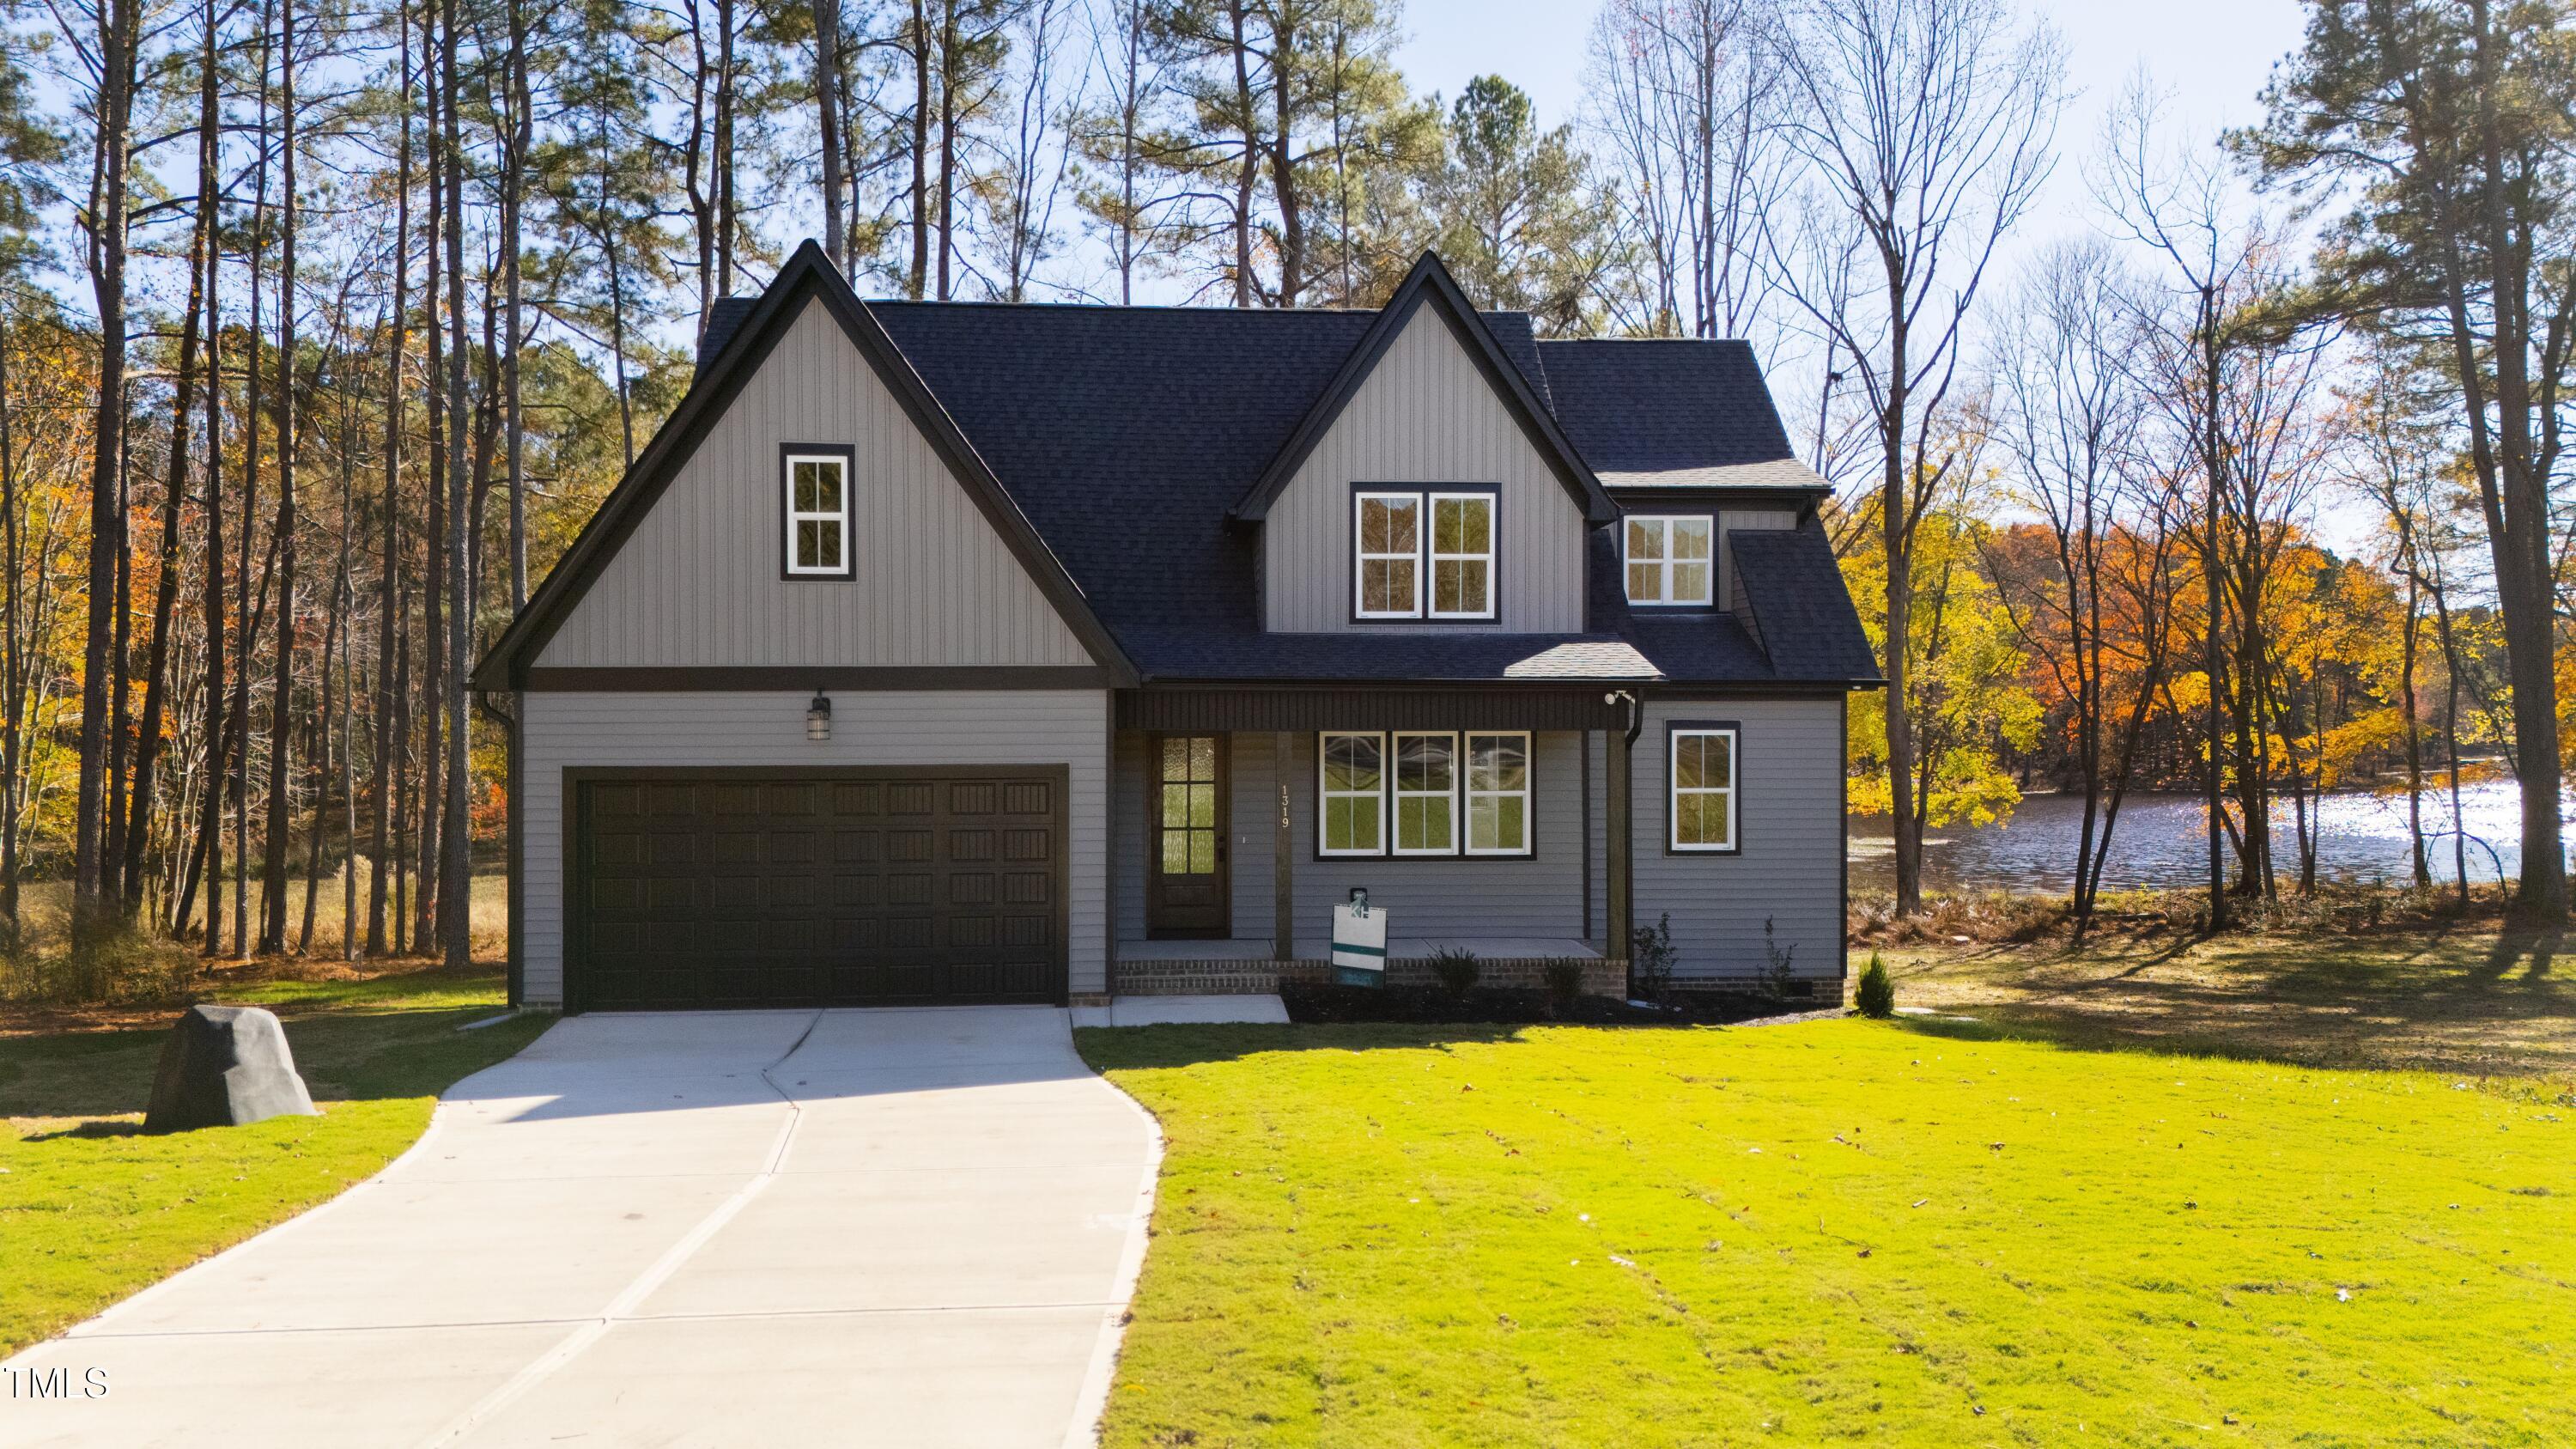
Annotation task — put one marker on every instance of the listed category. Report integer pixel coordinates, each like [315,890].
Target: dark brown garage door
[724,888]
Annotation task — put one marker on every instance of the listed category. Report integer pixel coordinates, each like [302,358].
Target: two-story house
[962,652]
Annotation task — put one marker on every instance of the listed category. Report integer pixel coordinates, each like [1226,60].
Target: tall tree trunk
[384,738]
[522,136]
[218,727]
[1897,538]
[456,862]
[2212,460]
[827,97]
[2414,732]
[119,22]
[949,64]
[13,676]
[165,594]
[246,644]
[281,746]
[1237,16]
[427,851]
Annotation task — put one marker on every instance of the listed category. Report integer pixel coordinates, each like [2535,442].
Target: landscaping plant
[1877,994]
[1456,968]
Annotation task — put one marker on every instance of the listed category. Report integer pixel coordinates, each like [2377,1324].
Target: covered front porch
[1218,836]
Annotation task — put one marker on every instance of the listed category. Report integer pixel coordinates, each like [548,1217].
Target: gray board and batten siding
[697,584]
[1425,415]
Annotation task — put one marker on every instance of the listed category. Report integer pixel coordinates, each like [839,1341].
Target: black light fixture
[818,717]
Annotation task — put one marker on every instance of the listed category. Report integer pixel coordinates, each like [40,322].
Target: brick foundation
[1238,977]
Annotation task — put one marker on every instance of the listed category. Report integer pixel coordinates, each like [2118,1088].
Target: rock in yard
[224,1066]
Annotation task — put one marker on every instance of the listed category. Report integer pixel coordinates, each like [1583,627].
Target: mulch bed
[1499,1006]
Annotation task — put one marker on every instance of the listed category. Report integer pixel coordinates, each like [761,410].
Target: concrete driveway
[896,1227]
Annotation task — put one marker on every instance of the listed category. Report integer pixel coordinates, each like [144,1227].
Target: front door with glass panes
[1186,896]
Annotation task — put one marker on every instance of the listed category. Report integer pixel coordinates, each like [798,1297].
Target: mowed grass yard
[1931,1233]
[91,1209]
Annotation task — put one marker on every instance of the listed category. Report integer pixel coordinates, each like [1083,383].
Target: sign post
[1359,942]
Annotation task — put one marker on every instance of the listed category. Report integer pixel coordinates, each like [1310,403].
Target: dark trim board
[741,678]
[576,878]
[1395,706]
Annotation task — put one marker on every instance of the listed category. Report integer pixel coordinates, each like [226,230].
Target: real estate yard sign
[1359,942]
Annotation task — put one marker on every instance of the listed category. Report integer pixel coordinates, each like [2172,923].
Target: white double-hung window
[817,485]
[1422,554]
[1701,769]
[1390,556]
[1670,559]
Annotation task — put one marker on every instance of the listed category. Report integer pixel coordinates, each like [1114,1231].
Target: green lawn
[91,1209]
[1834,1231]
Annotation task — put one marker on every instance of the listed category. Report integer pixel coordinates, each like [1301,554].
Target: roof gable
[1429,284]
[808,277]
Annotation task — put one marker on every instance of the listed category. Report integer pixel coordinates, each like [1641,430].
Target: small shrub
[1651,956]
[1778,977]
[1457,968]
[1877,994]
[1564,982]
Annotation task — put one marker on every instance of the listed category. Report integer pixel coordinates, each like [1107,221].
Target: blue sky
[2214,55]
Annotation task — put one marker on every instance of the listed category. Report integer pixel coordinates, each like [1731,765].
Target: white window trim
[840,518]
[1361,557]
[1664,567]
[1397,794]
[1673,791]
[1325,794]
[1468,794]
[1433,558]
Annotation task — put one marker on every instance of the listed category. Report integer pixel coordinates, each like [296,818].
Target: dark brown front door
[858,887]
[1185,885]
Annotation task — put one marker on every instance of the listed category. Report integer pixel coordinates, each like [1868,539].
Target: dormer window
[1669,560]
[816,482]
[1403,569]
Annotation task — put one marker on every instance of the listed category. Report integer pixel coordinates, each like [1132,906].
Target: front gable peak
[1430,285]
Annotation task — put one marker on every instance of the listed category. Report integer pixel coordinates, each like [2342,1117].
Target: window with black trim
[817,511]
[1701,771]
[1498,779]
[1414,793]
[1422,554]
[1353,801]
[1671,559]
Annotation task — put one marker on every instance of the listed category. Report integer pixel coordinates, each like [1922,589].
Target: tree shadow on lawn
[2468,1003]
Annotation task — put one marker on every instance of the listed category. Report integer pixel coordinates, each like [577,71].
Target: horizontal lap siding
[1425,415]
[929,727]
[1790,818]
[697,582]
[1456,896]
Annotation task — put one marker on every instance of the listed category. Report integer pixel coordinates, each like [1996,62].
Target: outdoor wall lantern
[818,717]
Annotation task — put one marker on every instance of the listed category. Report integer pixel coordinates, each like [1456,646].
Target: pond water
[2161,842]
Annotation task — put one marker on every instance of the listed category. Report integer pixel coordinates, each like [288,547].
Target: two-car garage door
[735,888]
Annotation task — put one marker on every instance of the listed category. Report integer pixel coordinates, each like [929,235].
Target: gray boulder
[223,1066]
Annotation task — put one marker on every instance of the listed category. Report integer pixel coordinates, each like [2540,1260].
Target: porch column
[1622,844]
[1283,869]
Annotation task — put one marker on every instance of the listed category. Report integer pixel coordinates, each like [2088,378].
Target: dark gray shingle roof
[1654,405]
[1126,433]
